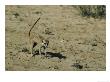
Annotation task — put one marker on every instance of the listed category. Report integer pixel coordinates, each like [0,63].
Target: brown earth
[76,43]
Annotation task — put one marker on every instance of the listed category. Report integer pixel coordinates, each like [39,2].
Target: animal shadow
[59,55]
[51,55]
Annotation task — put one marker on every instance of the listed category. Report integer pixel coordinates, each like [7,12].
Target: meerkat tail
[33,26]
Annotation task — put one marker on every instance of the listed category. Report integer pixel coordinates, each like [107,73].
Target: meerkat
[36,39]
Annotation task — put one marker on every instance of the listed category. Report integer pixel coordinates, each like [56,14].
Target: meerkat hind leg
[32,47]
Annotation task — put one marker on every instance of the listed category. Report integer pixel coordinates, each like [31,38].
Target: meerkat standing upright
[35,39]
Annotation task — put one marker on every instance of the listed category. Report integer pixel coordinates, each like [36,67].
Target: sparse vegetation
[96,11]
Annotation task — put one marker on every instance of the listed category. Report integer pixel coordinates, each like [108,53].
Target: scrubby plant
[96,11]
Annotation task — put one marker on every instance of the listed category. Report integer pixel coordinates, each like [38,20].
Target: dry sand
[76,43]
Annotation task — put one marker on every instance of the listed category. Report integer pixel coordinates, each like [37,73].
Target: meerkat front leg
[42,48]
[45,52]
[45,45]
[40,51]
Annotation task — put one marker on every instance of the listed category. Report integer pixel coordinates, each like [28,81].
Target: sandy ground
[75,43]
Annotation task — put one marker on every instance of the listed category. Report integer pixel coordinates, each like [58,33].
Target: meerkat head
[45,43]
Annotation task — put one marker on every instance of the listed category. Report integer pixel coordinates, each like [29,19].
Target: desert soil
[76,43]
